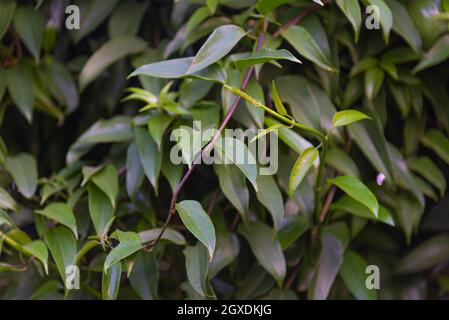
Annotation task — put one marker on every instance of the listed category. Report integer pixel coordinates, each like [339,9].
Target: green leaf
[114,130]
[178,68]
[39,250]
[288,136]
[271,198]
[7,8]
[144,277]
[426,255]
[301,168]
[350,205]
[374,79]
[385,17]
[107,181]
[170,235]
[110,283]
[346,117]
[134,171]
[6,201]
[126,19]
[197,267]
[265,55]
[198,223]
[404,25]
[306,46]
[100,209]
[429,170]
[157,126]
[29,24]
[93,16]
[218,45]
[292,229]
[62,213]
[438,142]
[352,11]
[232,150]
[233,185]
[277,101]
[438,53]
[62,245]
[23,169]
[226,252]
[358,191]
[342,162]
[20,87]
[110,52]
[266,6]
[267,250]
[5,219]
[353,273]
[150,157]
[129,244]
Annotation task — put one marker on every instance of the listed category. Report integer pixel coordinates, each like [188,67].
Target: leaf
[29,24]
[198,223]
[438,53]
[233,185]
[271,198]
[267,250]
[438,142]
[226,252]
[197,267]
[352,11]
[150,157]
[292,229]
[346,117]
[342,162]
[232,150]
[301,168]
[62,213]
[266,6]
[265,55]
[126,19]
[358,191]
[62,245]
[144,277]
[288,136]
[426,255]
[350,205]
[7,8]
[110,283]
[134,170]
[169,235]
[373,82]
[404,25]
[94,15]
[23,169]
[306,46]
[353,273]
[178,68]
[277,101]
[385,17]
[20,87]
[107,181]
[39,250]
[100,209]
[112,51]
[6,201]
[114,130]
[429,170]
[5,219]
[157,126]
[219,44]
[129,244]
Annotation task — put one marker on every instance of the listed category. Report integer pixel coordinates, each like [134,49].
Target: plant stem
[211,144]
[319,178]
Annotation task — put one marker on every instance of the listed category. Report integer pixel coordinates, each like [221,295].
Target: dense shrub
[87,174]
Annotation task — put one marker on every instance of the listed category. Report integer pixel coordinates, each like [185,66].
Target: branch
[211,144]
[312,8]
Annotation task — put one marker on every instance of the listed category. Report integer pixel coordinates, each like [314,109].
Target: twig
[211,144]
[313,7]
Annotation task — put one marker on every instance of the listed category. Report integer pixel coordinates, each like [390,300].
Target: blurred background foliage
[85,177]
